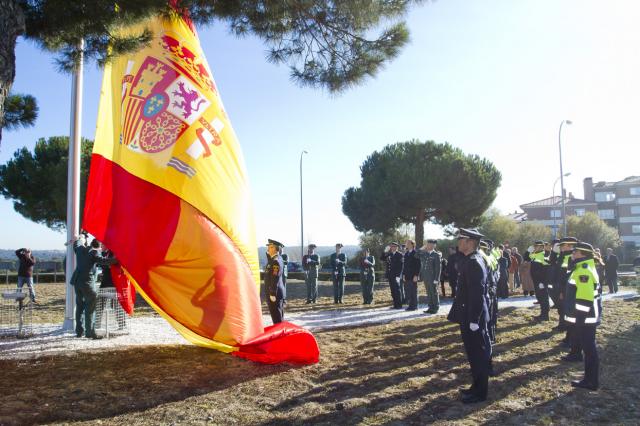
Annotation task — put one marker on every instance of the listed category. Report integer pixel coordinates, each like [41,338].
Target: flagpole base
[68,325]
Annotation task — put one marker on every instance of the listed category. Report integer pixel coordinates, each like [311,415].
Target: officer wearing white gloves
[395,263]
[470,311]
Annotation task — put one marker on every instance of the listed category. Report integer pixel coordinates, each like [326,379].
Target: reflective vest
[492,262]
[565,260]
[538,257]
[584,302]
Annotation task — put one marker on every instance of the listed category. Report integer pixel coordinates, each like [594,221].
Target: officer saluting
[395,262]
[273,281]
[470,310]
[584,307]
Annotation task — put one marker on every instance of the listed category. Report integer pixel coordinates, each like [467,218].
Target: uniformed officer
[84,279]
[491,265]
[539,264]
[395,262]
[311,266]
[367,276]
[430,270]
[285,270]
[584,310]
[273,283]
[563,260]
[338,265]
[471,312]
[410,275]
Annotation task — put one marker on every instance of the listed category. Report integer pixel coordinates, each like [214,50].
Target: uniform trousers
[587,336]
[366,280]
[90,298]
[478,349]
[338,287]
[276,309]
[311,280]
[411,293]
[394,286]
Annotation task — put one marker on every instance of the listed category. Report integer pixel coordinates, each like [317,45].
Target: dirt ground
[405,372]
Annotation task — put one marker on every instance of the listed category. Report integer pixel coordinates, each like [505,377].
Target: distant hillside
[41,255]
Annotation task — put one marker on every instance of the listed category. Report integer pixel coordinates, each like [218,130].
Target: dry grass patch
[399,373]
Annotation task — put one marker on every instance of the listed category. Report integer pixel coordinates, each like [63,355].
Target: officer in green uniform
[273,284]
[338,266]
[367,276]
[311,266]
[430,269]
[84,279]
[584,308]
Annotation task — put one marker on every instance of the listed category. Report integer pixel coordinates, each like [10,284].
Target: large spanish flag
[168,193]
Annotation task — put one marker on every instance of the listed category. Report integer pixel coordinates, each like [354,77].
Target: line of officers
[475,306]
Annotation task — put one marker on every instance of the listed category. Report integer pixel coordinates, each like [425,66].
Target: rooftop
[556,201]
[606,185]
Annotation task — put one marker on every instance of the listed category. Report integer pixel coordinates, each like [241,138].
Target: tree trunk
[420,217]
[11,26]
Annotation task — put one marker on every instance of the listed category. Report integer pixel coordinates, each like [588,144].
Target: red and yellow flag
[168,193]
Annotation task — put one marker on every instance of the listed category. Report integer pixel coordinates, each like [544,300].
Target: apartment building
[617,203]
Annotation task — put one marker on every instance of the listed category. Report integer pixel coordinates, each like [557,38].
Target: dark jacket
[395,263]
[470,304]
[339,264]
[411,267]
[611,265]
[273,274]
[25,268]
[87,258]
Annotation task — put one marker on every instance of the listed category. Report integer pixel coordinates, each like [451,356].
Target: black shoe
[307,302]
[411,309]
[79,334]
[93,336]
[572,358]
[472,399]
[583,384]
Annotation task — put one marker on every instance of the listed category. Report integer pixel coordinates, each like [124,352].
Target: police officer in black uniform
[273,281]
[395,262]
[410,274]
[470,311]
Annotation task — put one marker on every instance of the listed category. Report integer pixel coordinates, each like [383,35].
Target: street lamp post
[553,197]
[301,212]
[564,211]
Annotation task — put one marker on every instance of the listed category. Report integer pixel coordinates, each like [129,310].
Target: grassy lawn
[400,373]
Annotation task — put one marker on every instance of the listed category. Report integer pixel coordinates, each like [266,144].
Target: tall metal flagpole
[301,214]
[73,188]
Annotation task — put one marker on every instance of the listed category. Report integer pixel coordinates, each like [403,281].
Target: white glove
[474,327]
[398,280]
[556,248]
[530,249]
[540,286]
[272,298]
[435,281]
[308,260]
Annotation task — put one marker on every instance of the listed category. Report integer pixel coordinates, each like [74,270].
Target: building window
[606,214]
[579,212]
[635,209]
[602,197]
[635,229]
[556,213]
[634,190]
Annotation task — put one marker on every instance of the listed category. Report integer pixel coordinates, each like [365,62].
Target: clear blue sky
[494,78]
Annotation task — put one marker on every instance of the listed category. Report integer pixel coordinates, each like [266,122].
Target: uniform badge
[584,278]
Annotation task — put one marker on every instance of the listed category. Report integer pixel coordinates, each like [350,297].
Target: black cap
[555,241]
[584,247]
[275,243]
[568,240]
[539,243]
[432,241]
[312,246]
[469,233]
[393,243]
[339,245]
[490,242]
[484,244]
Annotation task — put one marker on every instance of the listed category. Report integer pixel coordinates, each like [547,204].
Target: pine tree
[19,111]
[326,43]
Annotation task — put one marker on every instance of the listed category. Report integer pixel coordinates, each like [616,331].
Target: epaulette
[585,266]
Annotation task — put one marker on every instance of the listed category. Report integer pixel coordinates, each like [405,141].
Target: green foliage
[327,43]
[411,182]
[595,231]
[19,111]
[376,242]
[502,229]
[37,182]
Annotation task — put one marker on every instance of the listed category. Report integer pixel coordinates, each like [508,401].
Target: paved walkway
[49,339]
